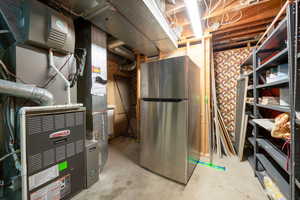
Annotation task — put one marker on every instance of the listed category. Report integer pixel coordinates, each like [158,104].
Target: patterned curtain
[227,70]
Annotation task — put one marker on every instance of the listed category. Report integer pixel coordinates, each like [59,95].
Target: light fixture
[194,15]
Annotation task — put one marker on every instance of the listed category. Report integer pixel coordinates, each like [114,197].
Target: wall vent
[58,30]
[56,38]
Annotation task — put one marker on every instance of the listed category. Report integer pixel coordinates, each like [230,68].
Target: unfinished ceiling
[233,23]
[139,24]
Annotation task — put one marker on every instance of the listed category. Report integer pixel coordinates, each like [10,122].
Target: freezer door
[164,138]
[165,79]
[150,80]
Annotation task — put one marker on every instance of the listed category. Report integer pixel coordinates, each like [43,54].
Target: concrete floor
[124,179]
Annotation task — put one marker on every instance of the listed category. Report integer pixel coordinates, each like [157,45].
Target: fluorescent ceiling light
[194,15]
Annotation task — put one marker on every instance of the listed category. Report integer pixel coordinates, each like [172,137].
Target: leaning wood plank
[225,139]
[226,134]
[243,137]
[213,147]
[217,134]
[209,60]
[207,50]
[222,127]
[223,135]
[215,106]
[244,118]
[222,139]
[241,93]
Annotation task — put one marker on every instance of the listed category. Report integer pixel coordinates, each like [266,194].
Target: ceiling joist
[233,8]
[235,44]
[234,40]
[244,28]
[265,12]
[261,22]
[242,33]
[175,10]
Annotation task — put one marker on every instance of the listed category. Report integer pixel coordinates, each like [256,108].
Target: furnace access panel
[55,154]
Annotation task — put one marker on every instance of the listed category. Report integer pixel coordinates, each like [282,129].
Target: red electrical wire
[287,144]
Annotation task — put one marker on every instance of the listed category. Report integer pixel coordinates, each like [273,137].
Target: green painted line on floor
[207,164]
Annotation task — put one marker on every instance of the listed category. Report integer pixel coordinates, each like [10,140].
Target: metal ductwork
[115,43]
[38,95]
[140,24]
[171,1]
[124,52]
[117,47]
[128,67]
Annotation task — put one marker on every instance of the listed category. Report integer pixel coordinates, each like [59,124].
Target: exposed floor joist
[250,25]
[254,20]
[245,34]
[235,45]
[233,8]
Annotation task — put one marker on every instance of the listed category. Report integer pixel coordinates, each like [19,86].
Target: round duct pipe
[171,2]
[116,47]
[115,43]
[122,51]
[128,67]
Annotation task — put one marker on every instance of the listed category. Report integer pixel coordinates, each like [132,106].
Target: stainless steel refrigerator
[170,117]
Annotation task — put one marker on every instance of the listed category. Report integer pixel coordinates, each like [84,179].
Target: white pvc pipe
[22,120]
[68,85]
